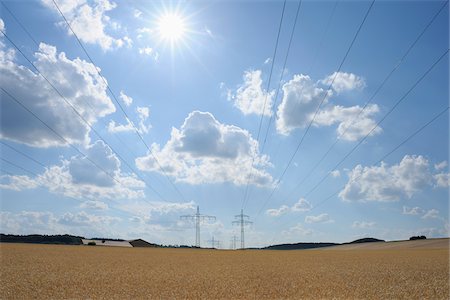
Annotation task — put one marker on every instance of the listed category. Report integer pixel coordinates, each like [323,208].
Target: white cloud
[301,97]
[384,183]
[76,79]
[268,60]
[44,222]
[276,212]
[363,224]
[204,150]
[2,25]
[301,205]
[350,128]
[344,81]
[149,52]
[431,214]
[147,210]
[78,178]
[143,113]
[137,13]
[297,230]
[89,21]
[322,218]
[440,166]
[94,204]
[250,96]
[17,182]
[442,180]
[84,219]
[335,174]
[127,100]
[412,211]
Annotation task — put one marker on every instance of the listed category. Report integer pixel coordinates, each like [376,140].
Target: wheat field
[57,271]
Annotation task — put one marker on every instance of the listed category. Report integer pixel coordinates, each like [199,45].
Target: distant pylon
[197,218]
[214,243]
[233,242]
[241,220]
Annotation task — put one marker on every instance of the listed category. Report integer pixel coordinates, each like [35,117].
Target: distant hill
[65,239]
[365,240]
[298,246]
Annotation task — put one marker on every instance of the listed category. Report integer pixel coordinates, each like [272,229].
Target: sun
[171,27]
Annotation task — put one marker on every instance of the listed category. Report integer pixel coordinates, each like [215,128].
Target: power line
[379,122]
[282,73]
[60,136]
[396,66]
[265,101]
[79,115]
[420,129]
[17,166]
[318,108]
[23,154]
[118,103]
[278,89]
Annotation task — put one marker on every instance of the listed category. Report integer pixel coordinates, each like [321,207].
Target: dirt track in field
[54,271]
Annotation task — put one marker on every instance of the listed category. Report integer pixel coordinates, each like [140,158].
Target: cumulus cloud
[322,218]
[344,81]
[363,224]
[388,183]
[335,173]
[204,150]
[78,178]
[297,230]
[137,13]
[149,52]
[251,95]
[302,97]
[440,166]
[94,204]
[44,222]
[143,127]
[276,212]
[412,211]
[431,214]
[301,205]
[127,100]
[89,21]
[442,180]
[350,127]
[76,79]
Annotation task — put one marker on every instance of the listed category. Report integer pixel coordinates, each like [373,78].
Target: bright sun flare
[171,27]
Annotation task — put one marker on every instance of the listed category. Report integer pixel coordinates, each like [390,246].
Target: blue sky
[193,76]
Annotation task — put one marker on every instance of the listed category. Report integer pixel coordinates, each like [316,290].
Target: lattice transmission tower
[242,221]
[214,243]
[234,242]
[197,218]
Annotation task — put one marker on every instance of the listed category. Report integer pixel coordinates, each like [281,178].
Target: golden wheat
[54,271]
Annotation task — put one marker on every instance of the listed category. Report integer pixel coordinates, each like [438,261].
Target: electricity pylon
[241,220]
[214,243]
[233,242]
[197,218]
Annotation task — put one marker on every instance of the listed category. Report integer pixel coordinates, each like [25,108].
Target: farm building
[130,243]
[141,243]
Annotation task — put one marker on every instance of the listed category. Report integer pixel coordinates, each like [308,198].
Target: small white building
[107,243]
